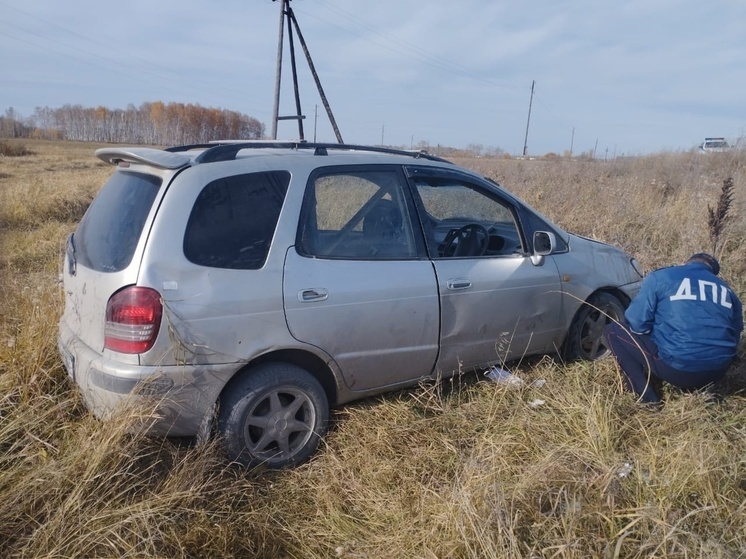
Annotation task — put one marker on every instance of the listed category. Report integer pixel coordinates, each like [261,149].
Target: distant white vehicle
[714,144]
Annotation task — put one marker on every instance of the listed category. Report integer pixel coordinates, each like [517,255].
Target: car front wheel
[274,415]
[585,337]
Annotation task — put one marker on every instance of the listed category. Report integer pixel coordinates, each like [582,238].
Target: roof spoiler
[146,156]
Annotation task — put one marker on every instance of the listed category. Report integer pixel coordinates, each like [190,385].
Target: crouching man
[683,328]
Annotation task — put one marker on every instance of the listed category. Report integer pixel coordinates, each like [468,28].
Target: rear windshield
[109,231]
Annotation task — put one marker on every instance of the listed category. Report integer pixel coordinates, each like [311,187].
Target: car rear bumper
[176,398]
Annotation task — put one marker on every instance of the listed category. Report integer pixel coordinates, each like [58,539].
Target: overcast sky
[625,77]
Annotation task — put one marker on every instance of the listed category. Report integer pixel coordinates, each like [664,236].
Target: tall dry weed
[718,216]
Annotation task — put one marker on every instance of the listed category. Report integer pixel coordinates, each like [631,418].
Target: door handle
[311,295]
[458,283]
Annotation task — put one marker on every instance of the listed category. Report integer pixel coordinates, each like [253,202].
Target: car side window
[356,215]
[234,219]
[461,221]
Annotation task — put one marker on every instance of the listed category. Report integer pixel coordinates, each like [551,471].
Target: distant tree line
[155,123]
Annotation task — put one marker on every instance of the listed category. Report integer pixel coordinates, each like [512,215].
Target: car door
[358,283]
[497,303]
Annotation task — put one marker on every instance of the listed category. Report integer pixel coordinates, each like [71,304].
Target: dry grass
[567,467]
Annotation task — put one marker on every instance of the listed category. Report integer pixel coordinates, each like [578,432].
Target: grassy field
[566,465]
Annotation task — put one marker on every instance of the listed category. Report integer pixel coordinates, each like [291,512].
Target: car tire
[274,415]
[585,337]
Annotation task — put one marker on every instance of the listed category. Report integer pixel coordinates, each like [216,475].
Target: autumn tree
[154,123]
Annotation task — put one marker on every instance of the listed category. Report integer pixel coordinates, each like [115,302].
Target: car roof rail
[228,150]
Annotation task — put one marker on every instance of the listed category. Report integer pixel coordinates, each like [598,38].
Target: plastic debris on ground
[624,470]
[500,375]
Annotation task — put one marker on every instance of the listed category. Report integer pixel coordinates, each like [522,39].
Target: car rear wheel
[585,338]
[274,415]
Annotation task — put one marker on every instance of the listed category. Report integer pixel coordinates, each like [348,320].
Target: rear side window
[233,220]
[109,231]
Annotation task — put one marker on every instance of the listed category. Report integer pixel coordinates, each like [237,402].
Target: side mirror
[544,244]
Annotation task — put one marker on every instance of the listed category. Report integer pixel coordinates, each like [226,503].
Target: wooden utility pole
[315,120]
[287,13]
[572,140]
[278,72]
[530,102]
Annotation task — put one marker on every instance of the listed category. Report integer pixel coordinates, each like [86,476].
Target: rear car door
[496,302]
[358,283]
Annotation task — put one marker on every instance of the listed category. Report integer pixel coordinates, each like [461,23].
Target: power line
[127,55]
[122,63]
[401,47]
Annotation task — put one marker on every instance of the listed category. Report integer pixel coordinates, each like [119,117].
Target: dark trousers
[638,358]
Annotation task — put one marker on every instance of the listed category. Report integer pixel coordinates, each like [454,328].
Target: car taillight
[133,317]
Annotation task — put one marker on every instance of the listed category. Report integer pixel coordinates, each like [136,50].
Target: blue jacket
[692,315]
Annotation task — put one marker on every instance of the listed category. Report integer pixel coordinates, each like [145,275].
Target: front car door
[358,283]
[497,303]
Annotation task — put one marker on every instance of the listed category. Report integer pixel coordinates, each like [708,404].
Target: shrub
[8,149]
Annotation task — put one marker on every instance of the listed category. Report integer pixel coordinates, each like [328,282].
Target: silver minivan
[247,287]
